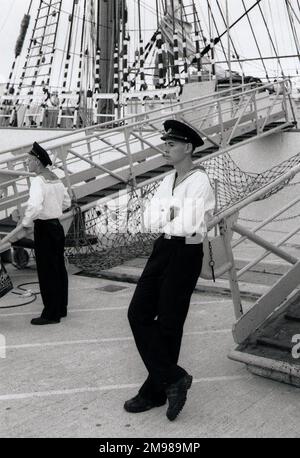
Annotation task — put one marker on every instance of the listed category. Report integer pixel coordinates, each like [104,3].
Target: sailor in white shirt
[179,210]
[48,198]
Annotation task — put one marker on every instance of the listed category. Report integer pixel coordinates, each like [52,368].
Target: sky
[275,15]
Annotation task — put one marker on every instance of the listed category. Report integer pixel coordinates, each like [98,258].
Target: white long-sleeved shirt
[47,200]
[193,200]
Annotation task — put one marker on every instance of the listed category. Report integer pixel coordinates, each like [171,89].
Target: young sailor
[179,210]
[47,199]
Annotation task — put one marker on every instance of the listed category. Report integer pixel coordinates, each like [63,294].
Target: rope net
[233,184]
[111,233]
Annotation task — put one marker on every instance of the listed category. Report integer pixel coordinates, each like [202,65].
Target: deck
[71,379]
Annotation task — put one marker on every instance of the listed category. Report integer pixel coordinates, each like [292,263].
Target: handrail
[130,129]
[117,130]
[267,220]
[16,173]
[244,142]
[264,243]
[217,96]
[252,197]
[100,167]
[239,118]
[271,249]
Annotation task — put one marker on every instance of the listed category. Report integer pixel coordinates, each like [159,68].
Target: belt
[52,220]
[173,237]
[191,240]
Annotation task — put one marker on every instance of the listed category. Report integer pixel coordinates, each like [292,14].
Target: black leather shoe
[176,394]
[139,404]
[41,320]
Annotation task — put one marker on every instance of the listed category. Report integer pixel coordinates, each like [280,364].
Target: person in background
[179,210]
[48,197]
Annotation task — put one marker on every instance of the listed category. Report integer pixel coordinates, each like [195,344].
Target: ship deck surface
[71,379]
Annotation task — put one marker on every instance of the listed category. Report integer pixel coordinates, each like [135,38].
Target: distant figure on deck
[48,198]
[179,210]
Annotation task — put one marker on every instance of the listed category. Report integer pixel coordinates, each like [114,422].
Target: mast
[105,38]
[107,42]
[197,42]
[228,44]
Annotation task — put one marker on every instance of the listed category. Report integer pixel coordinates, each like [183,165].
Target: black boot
[176,394]
[139,404]
[41,320]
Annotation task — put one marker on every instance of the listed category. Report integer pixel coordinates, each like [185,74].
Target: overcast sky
[12,12]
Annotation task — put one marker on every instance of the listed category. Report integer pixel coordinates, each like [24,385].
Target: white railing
[97,157]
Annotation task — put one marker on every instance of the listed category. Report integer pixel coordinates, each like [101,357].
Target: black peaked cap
[178,130]
[41,154]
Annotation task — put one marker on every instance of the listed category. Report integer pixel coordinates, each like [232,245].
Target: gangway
[267,333]
[98,162]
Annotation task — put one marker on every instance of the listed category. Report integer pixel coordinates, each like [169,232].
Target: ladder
[38,64]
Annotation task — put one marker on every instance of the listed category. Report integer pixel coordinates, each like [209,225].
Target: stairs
[92,184]
[100,161]
[272,351]
[155,172]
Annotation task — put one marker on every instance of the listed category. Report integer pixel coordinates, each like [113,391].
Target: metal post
[233,280]
[63,155]
[264,243]
[127,135]
[228,44]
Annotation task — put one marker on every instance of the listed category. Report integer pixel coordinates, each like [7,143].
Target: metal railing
[90,158]
[273,298]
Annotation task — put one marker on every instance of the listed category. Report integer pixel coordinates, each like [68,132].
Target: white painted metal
[98,157]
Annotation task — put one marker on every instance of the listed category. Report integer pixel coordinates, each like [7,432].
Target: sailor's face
[175,151]
[32,163]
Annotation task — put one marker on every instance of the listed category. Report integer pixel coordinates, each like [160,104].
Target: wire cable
[7,16]
[270,38]
[292,24]
[217,30]
[256,42]
[19,294]
[231,41]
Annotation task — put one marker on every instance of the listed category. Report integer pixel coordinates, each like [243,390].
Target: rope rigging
[271,40]
[293,28]
[231,40]
[291,7]
[256,42]
[212,47]
[184,53]
[217,30]
[7,16]
[195,11]
[68,12]
[268,5]
[217,39]
[81,57]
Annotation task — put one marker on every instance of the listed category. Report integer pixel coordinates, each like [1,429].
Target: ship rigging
[83,62]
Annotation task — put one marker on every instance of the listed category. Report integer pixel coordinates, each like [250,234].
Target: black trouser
[49,240]
[158,310]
